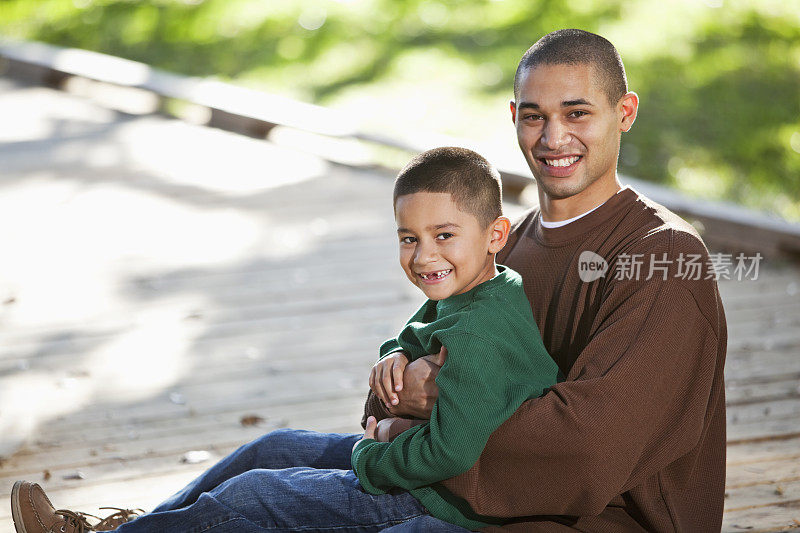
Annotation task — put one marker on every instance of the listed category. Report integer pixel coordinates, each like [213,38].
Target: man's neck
[557,209]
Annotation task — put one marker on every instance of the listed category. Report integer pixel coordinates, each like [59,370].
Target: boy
[450,226]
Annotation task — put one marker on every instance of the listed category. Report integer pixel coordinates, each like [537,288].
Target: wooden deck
[167,287]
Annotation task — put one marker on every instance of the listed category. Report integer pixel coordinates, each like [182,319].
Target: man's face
[443,250]
[567,130]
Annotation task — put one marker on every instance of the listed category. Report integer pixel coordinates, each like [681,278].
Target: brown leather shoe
[33,513]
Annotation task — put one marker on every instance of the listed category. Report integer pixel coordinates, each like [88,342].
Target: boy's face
[443,250]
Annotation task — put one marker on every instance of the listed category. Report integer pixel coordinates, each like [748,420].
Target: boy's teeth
[436,275]
[565,162]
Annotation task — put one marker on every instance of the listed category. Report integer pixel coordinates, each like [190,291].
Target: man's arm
[476,396]
[418,395]
[635,401]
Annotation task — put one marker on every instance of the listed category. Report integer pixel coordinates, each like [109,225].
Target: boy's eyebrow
[430,228]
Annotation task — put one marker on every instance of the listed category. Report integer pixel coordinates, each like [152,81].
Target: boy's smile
[443,250]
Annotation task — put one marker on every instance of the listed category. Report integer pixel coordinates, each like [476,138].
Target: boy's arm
[459,426]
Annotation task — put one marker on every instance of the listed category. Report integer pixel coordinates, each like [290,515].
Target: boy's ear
[500,229]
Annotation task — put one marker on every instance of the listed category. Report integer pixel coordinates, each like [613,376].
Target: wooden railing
[724,225]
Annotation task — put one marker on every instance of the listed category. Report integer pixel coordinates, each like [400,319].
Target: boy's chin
[437,295]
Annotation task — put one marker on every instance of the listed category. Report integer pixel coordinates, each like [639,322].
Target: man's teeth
[565,162]
[436,275]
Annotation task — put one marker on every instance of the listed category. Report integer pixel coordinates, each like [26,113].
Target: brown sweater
[634,439]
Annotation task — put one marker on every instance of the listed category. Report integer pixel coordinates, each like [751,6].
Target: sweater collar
[558,236]
[457,301]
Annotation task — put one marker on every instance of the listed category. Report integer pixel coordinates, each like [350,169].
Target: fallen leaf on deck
[75,475]
[251,420]
[177,398]
[195,456]
[46,475]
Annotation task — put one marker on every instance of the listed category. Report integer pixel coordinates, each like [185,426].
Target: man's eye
[443,236]
[578,114]
[532,117]
[407,240]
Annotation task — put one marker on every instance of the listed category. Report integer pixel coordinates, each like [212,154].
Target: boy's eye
[578,114]
[443,236]
[407,240]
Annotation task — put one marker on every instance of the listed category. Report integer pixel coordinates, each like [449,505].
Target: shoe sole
[16,512]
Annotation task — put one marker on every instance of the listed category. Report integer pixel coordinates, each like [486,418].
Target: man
[634,439]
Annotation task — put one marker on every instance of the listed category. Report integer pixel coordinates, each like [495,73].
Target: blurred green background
[719,80]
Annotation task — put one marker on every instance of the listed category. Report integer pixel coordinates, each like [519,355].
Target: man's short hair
[572,47]
[473,183]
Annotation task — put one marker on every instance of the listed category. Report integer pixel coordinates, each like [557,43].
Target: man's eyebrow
[430,228]
[578,101]
[565,103]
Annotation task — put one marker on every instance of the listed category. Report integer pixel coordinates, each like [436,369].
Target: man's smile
[561,166]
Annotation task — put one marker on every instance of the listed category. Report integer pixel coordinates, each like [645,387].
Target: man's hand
[386,378]
[389,428]
[419,391]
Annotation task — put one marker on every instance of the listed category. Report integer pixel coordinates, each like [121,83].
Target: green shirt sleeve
[475,397]
[407,341]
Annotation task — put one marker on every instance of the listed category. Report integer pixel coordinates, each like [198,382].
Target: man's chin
[560,188]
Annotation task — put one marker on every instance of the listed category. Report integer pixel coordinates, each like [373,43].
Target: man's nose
[555,134]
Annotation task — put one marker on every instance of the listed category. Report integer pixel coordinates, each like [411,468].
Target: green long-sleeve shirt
[496,360]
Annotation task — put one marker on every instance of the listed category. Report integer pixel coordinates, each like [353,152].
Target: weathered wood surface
[162,281]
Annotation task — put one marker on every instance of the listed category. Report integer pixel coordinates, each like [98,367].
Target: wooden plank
[770,450]
[761,366]
[776,388]
[776,409]
[763,430]
[764,472]
[778,517]
[761,495]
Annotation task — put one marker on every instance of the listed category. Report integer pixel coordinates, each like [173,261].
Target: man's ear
[500,228]
[628,107]
[513,105]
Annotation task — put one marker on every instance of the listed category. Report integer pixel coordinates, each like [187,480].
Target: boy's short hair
[473,183]
[571,47]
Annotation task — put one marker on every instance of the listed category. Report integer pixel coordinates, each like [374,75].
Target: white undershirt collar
[559,223]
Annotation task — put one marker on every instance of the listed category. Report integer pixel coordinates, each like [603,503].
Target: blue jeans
[287,480]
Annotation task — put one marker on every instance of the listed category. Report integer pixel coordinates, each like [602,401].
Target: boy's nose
[425,255]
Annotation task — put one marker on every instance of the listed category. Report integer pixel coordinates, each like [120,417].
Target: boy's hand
[386,378]
[420,390]
[369,433]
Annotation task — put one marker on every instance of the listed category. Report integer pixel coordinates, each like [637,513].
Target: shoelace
[120,517]
[76,520]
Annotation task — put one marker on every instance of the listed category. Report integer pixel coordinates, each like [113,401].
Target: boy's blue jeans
[287,480]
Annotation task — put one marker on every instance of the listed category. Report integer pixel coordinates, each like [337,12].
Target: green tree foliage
[719,82]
